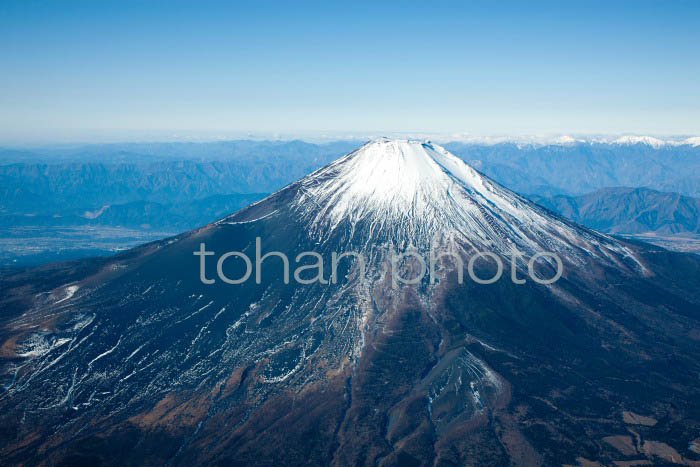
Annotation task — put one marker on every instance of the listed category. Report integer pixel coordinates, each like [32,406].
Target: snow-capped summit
[648,140]
[566,140]
[694,141]
[411,192]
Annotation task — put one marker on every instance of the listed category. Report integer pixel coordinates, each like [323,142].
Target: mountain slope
[135,360]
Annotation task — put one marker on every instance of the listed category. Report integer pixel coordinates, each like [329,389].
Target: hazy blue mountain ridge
[143,214]
[584,167]
[149,152]
[629,210]
[51,180]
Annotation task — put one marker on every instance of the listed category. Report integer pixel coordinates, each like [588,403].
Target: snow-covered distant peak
[694,141]
[648,140]
[566,139]
[657,142]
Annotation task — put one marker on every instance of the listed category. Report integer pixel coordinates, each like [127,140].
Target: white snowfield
[694,141]
[649,140]
[413,192]
[657,142]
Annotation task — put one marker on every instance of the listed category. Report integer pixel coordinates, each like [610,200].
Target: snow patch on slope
[70,291]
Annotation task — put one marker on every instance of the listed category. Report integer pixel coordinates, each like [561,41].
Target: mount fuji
[134,359]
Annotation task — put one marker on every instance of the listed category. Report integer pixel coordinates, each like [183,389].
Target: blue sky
[82,70]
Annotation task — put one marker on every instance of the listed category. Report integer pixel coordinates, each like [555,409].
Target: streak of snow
[70,291]
[104,354]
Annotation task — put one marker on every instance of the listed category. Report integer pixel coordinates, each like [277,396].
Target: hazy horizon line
[91,137]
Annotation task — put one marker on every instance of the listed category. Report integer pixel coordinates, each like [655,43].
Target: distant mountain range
[88,178]
[563,140]
[301,151]
[629,210]
[173,187]
[579,168]
[44,180]
[173,217]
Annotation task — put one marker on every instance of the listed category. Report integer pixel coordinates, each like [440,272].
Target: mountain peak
[648,140]
[139,349]
[406,192]
[390,181]
[402,172]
